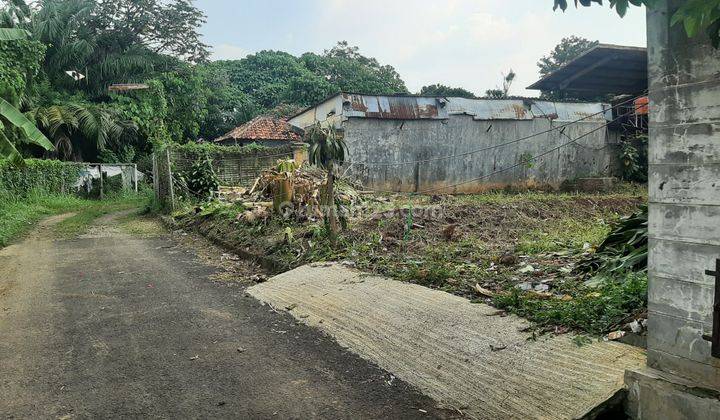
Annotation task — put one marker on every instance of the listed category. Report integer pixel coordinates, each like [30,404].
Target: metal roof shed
[604,69]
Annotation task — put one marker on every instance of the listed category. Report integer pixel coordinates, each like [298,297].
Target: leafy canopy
[447,91]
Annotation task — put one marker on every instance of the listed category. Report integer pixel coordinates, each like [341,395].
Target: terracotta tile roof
[263,128]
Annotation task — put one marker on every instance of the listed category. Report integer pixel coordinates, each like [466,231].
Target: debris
[195,357]
[542,287]
[615,335]
[635,327]
[241,350]
[498,347]
[291,306]
[526,286]
[484,292]
[528,268]
[422,411]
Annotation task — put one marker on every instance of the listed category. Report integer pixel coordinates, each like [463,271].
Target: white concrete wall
[684,192]
[373,140]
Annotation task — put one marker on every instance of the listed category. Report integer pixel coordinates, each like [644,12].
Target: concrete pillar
[682,379]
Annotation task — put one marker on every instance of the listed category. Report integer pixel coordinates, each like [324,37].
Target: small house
[264,131]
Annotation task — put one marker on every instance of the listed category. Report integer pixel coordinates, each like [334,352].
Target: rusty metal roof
[408,107]
[393,107]
[526,109]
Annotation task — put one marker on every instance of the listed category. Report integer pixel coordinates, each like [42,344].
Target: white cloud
[228,52]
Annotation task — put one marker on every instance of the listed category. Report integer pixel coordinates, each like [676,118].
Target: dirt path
[116,325]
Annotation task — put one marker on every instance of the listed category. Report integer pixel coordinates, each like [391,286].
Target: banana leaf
[32,134]
[13,34]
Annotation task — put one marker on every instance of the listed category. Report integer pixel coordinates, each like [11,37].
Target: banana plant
[12,34]
[31,133]
[12,115]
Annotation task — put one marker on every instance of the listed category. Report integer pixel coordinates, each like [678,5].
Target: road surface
[119,325]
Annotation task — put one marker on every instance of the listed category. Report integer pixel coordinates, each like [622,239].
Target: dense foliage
[58,58]
[37,176]
[447,91]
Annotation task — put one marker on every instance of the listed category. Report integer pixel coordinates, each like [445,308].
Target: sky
[466,43]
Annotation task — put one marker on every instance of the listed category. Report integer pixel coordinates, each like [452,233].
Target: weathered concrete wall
[373,140]
[684,190]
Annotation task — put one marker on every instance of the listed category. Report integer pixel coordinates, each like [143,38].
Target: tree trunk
[330,213]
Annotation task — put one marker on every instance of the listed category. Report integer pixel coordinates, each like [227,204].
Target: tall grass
[18,214]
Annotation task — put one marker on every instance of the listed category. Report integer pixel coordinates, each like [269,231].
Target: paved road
[121,326]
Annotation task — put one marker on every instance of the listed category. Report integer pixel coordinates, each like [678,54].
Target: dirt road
[117,325]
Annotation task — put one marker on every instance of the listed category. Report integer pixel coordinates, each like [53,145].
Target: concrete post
[683,378]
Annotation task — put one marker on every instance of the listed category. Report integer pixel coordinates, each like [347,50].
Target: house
[265,131]
[445,144]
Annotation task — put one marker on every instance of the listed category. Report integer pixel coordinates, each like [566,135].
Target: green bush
[38,175]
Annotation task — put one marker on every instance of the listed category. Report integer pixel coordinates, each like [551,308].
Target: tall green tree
[347,70]
[115,41]
[567,50]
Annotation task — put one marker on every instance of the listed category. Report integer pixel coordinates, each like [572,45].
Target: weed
[594,310]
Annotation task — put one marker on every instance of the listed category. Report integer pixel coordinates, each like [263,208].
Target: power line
[484,149]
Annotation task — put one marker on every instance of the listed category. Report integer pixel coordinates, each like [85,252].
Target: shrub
[48,176]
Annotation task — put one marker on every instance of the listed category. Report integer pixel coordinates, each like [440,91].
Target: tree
[326,149]
[447,91]
[567,50]
[502,92]
[696,16]
[115,41]
[19,62]
[349,71]
[83,127]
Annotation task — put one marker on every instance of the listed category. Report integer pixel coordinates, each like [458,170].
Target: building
[265,131]
[602,70]
[438,144]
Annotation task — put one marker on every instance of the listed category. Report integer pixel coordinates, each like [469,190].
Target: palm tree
[326,149]
[92,125]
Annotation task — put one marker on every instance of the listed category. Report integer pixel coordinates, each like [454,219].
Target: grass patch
[92,210]
[595,310]
[19,215]
[566,234]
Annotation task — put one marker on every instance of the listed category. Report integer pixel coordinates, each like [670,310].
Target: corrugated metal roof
[567,111]
[393,107]
[603,69]
[490,109]
[406,107]
[525,109]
